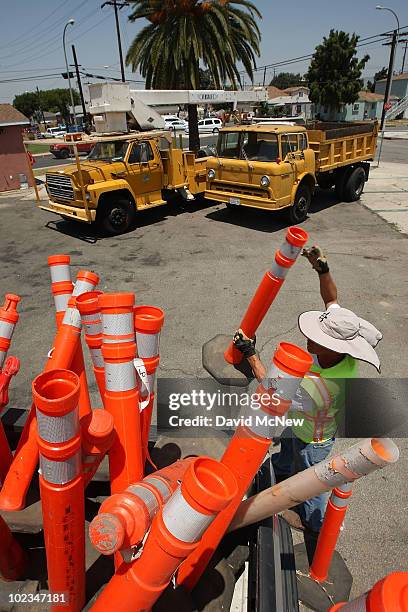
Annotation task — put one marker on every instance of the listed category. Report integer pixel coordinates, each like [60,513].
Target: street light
[388,86]
[70,22]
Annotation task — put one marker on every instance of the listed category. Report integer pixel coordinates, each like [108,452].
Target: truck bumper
[241,199]
[71,212]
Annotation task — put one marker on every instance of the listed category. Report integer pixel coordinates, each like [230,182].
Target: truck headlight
[265,181]
[211,174]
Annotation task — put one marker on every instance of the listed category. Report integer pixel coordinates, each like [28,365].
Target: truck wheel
[354,185]
[117,216]
[64,154]
[300,207]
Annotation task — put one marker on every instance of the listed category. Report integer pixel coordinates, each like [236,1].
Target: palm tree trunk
[193,135]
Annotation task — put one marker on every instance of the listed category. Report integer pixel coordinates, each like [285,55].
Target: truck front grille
[60,186]
[237,189]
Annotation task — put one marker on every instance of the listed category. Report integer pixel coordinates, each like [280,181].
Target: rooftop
[398,77]
[11,116]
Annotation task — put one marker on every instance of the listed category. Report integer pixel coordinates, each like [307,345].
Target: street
[201,265]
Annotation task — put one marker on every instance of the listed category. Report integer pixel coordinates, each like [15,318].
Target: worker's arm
[247,347]
[328,288]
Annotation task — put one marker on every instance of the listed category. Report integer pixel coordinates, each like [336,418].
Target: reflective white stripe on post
[57,429]
[92,327]
[279,271]
[72,317]
[81,287]
[358,605]
[161,486]
[147,345]
[284,384]
[289,251]
[341,502]
[147,498]
[61,302]
[60,472]
[60,273]
[183,521]
[2,358]
[97,357]
[120,376]
[118,325]
[6,329]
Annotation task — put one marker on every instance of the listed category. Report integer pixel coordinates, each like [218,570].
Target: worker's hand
[317,258]
[244,344]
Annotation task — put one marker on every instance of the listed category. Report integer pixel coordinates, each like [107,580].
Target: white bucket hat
[342,331]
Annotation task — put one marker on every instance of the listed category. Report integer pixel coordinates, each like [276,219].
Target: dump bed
[341,144]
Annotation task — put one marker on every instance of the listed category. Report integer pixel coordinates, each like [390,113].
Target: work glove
[244,344]
[317,258]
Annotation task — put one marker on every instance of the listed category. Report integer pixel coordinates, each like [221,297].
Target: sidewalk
[386,193]
[396,135]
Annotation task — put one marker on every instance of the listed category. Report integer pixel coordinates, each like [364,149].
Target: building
[399,88]
[367,106]
[14,169]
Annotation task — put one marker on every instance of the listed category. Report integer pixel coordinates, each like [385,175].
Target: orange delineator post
[148,324]
[97,434]
[56,397]
[247,449]
[388,595]
[269,287]
[207,488]
[8,320]
[15,486]
[121,390]
[329,533]
[12,557]
[88,306]
[10,368]
[124,519]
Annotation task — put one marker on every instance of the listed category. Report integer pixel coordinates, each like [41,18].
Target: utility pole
[81,93]
[41,108]
[117,5]
[389,77]
[264,78]
[403,59]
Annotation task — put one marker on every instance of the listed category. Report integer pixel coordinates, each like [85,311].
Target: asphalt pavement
[201,265]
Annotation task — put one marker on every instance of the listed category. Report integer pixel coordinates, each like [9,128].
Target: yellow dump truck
[123,175]
[274,166]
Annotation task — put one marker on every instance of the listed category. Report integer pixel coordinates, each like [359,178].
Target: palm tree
[183,33]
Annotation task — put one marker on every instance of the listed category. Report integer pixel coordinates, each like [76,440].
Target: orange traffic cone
[246,451]
[97,433]
[125,518]
[207,488]
[271,283]
[56,397]
[10,368]
[388,595]
[88,306]
[8,320]
[148,323]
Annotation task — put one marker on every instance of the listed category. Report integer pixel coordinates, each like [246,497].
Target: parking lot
[201,264]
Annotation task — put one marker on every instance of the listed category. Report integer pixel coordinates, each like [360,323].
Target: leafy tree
[334,75]
[286,79]
[184,34]
[52,100]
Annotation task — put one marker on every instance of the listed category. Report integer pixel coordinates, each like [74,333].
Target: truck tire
[354,185]
[63,154]
[300,207]
[116,216]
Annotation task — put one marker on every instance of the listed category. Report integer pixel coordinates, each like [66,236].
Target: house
[399,88]
[367,106]
[291,102]
[14,169]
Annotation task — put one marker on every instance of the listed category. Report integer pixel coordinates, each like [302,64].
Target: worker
[337,339]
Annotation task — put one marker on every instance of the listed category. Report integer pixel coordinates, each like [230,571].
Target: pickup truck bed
[341,144]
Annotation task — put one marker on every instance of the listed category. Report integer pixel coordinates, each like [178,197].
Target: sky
[31,52]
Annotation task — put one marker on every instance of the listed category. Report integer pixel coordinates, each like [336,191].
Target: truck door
[145,171]
[292,146]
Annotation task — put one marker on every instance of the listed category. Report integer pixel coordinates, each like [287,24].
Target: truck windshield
[254,146]
[109,151]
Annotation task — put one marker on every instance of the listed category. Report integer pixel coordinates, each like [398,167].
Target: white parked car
[176,125]
[211,125]
[55,132]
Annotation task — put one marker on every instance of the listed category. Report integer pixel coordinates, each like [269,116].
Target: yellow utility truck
[121,176]
[271,166]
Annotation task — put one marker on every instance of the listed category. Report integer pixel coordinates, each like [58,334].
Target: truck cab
[262,166]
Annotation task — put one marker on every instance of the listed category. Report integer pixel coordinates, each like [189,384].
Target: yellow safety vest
[326,400]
